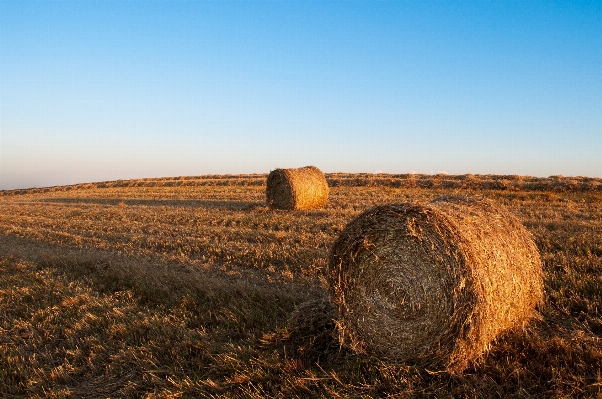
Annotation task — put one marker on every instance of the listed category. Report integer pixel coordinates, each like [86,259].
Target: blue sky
[104,90]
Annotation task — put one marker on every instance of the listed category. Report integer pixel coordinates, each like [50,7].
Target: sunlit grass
[173,288]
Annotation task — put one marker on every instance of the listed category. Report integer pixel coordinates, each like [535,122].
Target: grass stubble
[184,287]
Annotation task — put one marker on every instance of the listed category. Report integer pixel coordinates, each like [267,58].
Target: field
[183,287]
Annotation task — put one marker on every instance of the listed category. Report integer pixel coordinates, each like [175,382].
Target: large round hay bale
[302,188]
[433,284]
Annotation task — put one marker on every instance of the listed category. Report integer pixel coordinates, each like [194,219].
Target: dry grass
[184,287]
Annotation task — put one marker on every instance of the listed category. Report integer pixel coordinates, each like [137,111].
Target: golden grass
[127,289]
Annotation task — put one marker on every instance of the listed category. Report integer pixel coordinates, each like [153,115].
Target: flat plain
[183,287]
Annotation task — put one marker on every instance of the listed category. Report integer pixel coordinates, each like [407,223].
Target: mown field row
[175,290]
[410,180]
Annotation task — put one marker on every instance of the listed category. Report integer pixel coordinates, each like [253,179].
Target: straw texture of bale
[433,284]
[292,189]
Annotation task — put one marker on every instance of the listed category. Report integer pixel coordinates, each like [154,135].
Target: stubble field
[183,287]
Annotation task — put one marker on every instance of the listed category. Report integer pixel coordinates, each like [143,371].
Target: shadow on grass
[188,203]
[157,283]
[167,328]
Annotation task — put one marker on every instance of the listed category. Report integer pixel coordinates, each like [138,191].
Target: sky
[103,90]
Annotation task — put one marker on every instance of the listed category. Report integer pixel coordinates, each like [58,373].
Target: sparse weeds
[140,289]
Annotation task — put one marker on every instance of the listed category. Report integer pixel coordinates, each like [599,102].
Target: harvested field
[186,287]
[410,180]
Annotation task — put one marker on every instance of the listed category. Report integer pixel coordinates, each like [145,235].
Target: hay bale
[292,189]
[433,284]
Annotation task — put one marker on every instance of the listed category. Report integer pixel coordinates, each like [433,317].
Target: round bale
[433,284]
[293,189]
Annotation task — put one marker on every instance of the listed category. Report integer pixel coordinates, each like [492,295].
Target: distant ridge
[468,181]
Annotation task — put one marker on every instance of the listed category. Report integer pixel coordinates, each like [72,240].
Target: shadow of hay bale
[312,331]
[312,317]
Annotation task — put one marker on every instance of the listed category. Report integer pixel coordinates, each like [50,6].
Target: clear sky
[105,90]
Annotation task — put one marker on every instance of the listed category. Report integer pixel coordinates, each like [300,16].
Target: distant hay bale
[433,284]
[292,189]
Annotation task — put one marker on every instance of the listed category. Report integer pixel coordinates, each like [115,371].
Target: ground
[184,287]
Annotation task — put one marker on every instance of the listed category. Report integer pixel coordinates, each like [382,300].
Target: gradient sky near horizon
[104,90]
